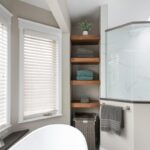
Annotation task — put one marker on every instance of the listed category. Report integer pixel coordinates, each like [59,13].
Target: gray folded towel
[112,119]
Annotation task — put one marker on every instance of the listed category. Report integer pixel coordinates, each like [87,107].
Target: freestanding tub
[53,137]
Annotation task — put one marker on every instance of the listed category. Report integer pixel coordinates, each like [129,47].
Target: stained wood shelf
[85,39]
[85,82]
[95,60]
[92,104]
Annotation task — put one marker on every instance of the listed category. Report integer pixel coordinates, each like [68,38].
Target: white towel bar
[125,108]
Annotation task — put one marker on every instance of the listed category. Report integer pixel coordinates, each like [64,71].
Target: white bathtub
[101,148]
[53,137]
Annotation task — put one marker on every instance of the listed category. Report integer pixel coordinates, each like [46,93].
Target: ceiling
[84,8]
[38,3]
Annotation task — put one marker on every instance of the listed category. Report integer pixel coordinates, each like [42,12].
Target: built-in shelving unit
[77,40]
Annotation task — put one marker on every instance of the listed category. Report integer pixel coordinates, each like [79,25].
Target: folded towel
[112,119]
[83,52]
[86,73]
[83,55]
[84,78]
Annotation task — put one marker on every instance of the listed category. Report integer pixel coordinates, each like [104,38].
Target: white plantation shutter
[5,22]
[40,74]
[3,75]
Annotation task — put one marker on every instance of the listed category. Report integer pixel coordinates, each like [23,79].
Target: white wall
[103,27]
[141,126]
[123,11]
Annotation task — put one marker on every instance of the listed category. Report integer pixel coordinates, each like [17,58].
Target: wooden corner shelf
[92,104]
[85,39]
[85,82]
[95,60]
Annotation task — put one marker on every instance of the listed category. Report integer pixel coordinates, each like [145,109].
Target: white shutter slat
[33,51]
[38,44]
[40,66]
[3,75]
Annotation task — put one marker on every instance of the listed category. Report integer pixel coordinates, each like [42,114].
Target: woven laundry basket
[88,124]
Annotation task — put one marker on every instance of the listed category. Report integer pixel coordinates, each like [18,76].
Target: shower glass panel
[127,66]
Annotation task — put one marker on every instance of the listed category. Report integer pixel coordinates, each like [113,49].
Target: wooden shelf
[85,39]
[92,104]
[85,82]
[85,60]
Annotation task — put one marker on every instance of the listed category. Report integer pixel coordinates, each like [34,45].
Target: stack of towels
[85,75]
[83,53]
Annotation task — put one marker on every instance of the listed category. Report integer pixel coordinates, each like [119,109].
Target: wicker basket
[88,124]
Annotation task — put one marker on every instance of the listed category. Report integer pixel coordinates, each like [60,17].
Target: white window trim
[5,17]
[55,33]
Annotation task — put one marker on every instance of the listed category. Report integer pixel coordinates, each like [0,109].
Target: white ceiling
[82,8]
[38,3]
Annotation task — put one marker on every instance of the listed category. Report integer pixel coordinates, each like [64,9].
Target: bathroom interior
[74,75]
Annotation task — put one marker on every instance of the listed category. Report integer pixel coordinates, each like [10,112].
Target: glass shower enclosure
[127,62]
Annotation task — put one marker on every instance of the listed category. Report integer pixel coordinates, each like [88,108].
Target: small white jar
[85,33]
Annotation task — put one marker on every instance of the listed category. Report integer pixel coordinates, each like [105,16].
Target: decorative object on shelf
[85,33]
[84,99]
[85,27]
[85,75]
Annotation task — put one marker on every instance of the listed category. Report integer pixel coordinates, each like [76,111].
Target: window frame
[5,18]
[54,33]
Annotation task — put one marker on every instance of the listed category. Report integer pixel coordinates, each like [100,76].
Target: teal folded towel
[84,78]
[85,73]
